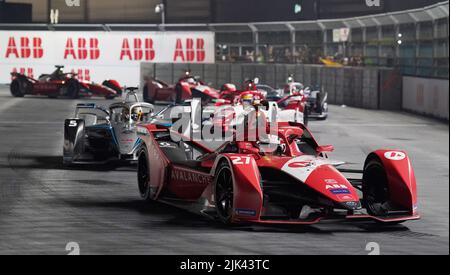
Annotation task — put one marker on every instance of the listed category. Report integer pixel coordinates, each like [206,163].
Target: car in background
[187,87]
[60,84]
[316,99]
[271,93]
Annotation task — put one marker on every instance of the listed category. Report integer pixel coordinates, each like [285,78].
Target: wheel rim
[143,175]
[224,193]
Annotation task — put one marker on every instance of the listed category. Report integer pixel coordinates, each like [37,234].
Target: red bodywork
[186,88]
[191,183]
[53,87]
[293,102]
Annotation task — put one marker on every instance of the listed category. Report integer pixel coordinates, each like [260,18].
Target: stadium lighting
[161,9]
[297,8]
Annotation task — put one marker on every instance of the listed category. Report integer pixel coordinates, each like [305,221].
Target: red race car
[187,87]
[295,183]
[295,102]
[60,84]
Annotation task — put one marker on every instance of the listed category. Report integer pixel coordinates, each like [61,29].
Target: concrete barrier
[371,88]
[426,96]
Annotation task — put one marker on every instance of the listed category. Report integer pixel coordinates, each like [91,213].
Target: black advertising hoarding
[15,13]
[230,11]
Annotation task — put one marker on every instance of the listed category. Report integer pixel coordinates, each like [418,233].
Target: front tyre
[144,175]
[375,189]
[223,194]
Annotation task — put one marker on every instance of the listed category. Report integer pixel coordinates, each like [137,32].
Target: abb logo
[25,48]
[25,71]
[188,52]
[83,74]
[142,49]
[85,49]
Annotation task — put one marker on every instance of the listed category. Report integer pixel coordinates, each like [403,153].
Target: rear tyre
[223,194]
[147,97]
[144,175]
[19,87]
[72,87]
[178,94]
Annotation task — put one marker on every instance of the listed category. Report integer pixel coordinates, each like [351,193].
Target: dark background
[196,11]
[270,10]
[15,13]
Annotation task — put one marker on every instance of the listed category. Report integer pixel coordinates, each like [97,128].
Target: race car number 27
[241,160]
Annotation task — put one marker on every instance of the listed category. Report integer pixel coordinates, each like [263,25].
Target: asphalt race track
[44,206]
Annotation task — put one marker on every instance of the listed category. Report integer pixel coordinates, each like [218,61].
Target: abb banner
[99,55]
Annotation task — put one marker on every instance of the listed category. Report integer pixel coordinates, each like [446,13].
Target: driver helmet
[137,114]
[247,99]
[290,79]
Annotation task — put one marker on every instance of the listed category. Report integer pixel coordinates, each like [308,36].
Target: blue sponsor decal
[246,212]
[338,191]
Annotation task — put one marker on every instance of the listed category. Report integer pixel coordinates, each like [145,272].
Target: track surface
[43,206]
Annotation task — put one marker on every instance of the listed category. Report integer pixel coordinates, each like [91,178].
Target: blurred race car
[60,84]
[187,87]
[98,135]
[271,93]
[291,181]
[316,100]
[230,116]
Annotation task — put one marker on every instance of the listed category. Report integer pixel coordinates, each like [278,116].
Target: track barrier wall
[426,96]
[370,88]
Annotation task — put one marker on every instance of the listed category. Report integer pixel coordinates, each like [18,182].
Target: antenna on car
[132,92]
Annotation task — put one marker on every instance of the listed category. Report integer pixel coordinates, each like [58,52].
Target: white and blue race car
[98,135]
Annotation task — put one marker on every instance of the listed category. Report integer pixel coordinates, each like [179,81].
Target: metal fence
[416,42]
